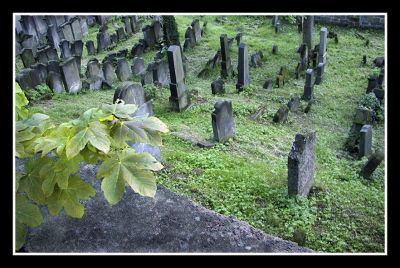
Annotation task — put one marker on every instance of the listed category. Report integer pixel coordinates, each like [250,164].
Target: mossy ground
[247,177]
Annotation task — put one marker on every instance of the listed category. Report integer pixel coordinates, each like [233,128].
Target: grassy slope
[247,177]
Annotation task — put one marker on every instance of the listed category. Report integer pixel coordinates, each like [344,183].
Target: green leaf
[120,110]
[27,212]
[128,166]
[69,198]
[31,182]
[77,143]
[18,177]
[20,235]
[64,167]
[47,144]
[150,123]
[25,135]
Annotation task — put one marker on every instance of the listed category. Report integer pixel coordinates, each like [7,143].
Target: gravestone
[373,162]
[28,78]
[84,26]
[94,70]
[179,99]
[222,121]
[303,50]
[121,33]
[190,39]
[308,87]
[381,77]
[53,66]
[55,82]
[149,36]
[123,70]
[226,67]
[130,93]
[217,87]
[113,40]
[379,93]
[274,49]
[103,41]
[379,61]
[70,74]
[77,48]
[239,38]
[372,83]
[320,73]
[364,60]
[123,53]
[158,31]
[27,57]
[277,27]
[301,163]
[322,45]
[128,25]
[300,21]
[138,66]
[308,29]
[275,19]
[41,56]
[197,30]
[161,73]
[243,68]
[364,116]
[76,29]
[40,72]
[365,145]
[136,25]
[137,50]
[268,84]
[90,48]
[65,32]
[109,72]
[53,37]
[147,77]
[65,49]
[294,104]
[256,59]
[281,115]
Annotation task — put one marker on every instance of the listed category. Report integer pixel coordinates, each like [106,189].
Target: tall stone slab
[243,68]
[149,36]
[308,87]
[123,70]
[90,48]
[76,29]
[365,145]
[27,57]
[109,72]
[179,99]
[226,66]
[320,73]
[301,163]
[70,73]
[222,121]
[323,35]
[197,30]
[65,49]
[53,37]
[308,28]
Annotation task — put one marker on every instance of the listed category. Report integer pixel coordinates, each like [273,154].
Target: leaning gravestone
[65,47]
[281,115]
[109,72]
[294,104]
[77,48]
[138,66]
[53,66]
[308,87]
[130,93]
[103,41]
[217,87]
[308,29]
[128,26]
[179,99]
[40,72]
[320,73]
[365,146]
[55,82]
[226,67]
[53,37]
[137,50]
[123,70]
[149,36]
[373,162]
[197,30]
[121,33]
[90,48]
[158,31]
[222,121]
[322,45]
[160,73]
[364,116]
[243,68]
[94,74]
[70,74]
[27,57]
[301,164]
[76,29]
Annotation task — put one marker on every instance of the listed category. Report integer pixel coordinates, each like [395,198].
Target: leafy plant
[56,151]
[40,92]
[20,102]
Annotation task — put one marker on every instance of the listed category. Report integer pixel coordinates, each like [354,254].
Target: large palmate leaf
[96,133]
[20,235]
[69,198]
[31,182]
[20,102]
[128,166]
[119,110]
[26,212]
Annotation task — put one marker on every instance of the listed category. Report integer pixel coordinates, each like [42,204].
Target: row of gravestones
[193,34]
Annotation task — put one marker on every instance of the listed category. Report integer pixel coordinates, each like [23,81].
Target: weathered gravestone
[147,77]
[90,48]
[281,115]
[158,31]
[121,34]
[103,41]
[123,70]
[308,29]
[365,146]
[149,36]
[160,73]
[130,93]
[381,77]
[65,32]
[65,47]
[27,57]
[222,121]
[277,27]
[179,99]
[136,25]
[28,78]
[55,82]
[128,25]
[373,162]
[53,66]
[197,30]
[320,73]
[372,83]
[138,66]
[84,25]
[94,74]
[77,48]
[294,104]
[108,71]
[226,67]
[41,72]
[268,84]
[217,87]
[70,74]
[301,163]
[280,82]
[76,29]
[256,59]
[190,39]
[364,116]
[53,37]
[322,45]
[137,50]
[308,87]
[379,61]
[243,68]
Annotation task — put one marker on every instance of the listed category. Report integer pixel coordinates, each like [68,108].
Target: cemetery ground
[247,176]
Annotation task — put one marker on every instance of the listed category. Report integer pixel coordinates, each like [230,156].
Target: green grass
[247,177]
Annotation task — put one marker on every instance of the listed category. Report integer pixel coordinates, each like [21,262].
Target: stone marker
[364,60]
[94,74]
[84,26]
[277,27]
[138,66]
[379,62]
[65,47]
[379,93]
[76,29]
[268,84]
[239,38]
[217,87]
[123,70]
[372,83]
[137,50]
[364,116]
[158,31]
[365,146]
[109,72]
[77,48]
[147,77]
[121,33]
[322,45]
[308,29]
[128,25]
[281,115]
[179,99]
[27,57]
[40,73]
[197,30]
[103,41]
[65,32]
[301,163]
[149,36]
[243,68]
[26,80]
[226,67]
[70,74]
[130,93]
[160,73]
[53,66]
[294,104]
[90,48]
[320,73]
[53,37]
[222,121]
[308,87]
[146,109]
[55,82]
[280,82]
[373,162]
[256,59]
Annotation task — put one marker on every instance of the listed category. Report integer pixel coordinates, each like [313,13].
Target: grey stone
[158,31]
[103,41]
[76,29]
[121,33]
[55,82]
[301,163]
[379,61]
[322,45]
[109,72]
[239,38]
[194,140]
[128,26]
[90,48]
[217,87]
[365,146]
[136,25]
[179,99]
[123,70]
[379,93]
[256,59]
[137,50]
[381,77]
[147,77]
[373,162]
[27,57]
[226,67]
[364,116]
[308,87]
[139,147]
[65,47]
[53,37]
[294,104]
[149,36]
[130,93]
[308,29]
[146,109]
[28,78]
[268,84]
[66,32]
[281,115]
[372,83]
[320,73]
[70,74]
[243,68]
[53,66]
[197,30]
[161,73]
[77,48]
[84,26]
[222,121]
[190,38]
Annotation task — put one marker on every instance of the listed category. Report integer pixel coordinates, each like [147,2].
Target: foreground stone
[167,223]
